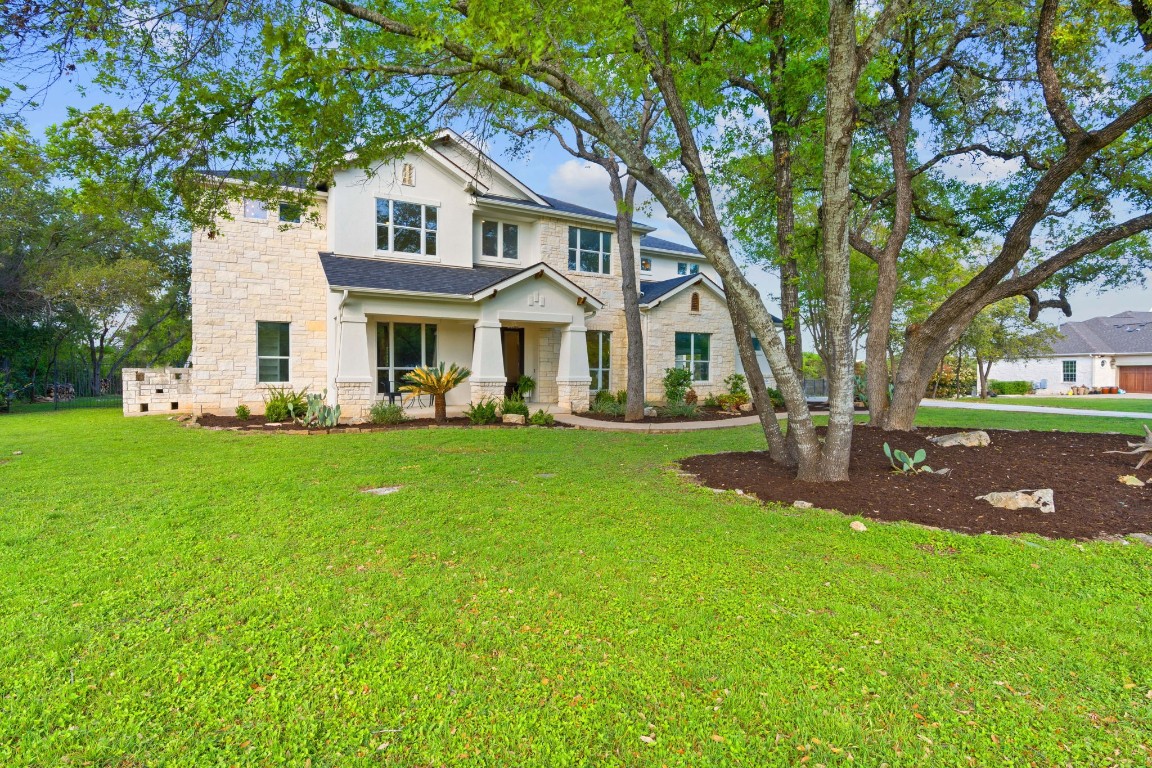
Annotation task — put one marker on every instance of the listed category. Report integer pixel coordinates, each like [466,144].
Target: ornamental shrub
[676,382]
[1010,387]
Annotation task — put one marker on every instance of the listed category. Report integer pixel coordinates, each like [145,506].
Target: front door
[512,340]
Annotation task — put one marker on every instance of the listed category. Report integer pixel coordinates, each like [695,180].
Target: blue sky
[549,170]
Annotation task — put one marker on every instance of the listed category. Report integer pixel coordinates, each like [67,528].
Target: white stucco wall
[1089,372]
[664,266]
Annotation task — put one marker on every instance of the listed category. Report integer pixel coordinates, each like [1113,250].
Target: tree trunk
[781,451]
[624,196]
[441,406]
[876,372]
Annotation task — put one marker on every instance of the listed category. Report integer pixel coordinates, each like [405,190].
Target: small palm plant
[437,382]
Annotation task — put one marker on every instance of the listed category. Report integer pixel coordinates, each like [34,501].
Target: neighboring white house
[440,255]
[1111,351]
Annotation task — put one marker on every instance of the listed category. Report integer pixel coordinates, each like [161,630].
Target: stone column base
[573,394]
[486,388]
[355,399]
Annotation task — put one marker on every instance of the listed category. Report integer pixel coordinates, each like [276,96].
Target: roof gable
[1124,333]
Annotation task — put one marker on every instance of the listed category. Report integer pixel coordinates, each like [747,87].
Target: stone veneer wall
[547,364]
[251,271]
[156,390]
[674,315]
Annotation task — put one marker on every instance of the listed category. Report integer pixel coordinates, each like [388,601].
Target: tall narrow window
[405,227]
[400,348]
[272,344]
[1069,371]
[694,352]
[408,175]
[694,305]
[600,359]
[589,250]
[499,240]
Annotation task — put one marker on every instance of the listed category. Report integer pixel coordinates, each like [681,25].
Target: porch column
[353,390]
[572,376]
[488,378]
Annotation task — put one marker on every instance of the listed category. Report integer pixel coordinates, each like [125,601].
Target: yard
[1090,402]
[530,597]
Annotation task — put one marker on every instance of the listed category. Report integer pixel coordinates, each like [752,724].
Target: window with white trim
[1069,371]
[600,359]
[403,227]
[499,240]
[400,349]
[645,264]
[589,250]
[684,268]
[272,351]
[694,353]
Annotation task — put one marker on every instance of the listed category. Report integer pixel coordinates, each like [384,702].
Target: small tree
[1003,331]
[437,382]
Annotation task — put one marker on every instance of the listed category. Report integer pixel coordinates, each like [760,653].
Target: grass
[529,597]
[1091,402]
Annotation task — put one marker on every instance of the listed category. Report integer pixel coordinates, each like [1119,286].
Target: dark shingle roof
[292,180]
[380,275]
[1127,333]
[650,290]
[553,205]
[667,245]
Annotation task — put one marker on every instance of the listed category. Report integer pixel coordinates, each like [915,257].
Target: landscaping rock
[514,418]
[382,491]
[17,453]
[273,424]
[1041,499]
[650,412]
[747,408]
[1132,480]
[802,504]
[977,439]
[858,526]
[1143,538]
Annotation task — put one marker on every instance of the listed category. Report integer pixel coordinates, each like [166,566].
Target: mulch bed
[1090,501]
[704,413]
[257,423]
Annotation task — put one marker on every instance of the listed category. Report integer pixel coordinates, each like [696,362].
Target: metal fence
[69,386]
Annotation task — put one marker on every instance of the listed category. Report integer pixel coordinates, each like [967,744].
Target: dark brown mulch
[703,413]
[257,423]
[1090,500]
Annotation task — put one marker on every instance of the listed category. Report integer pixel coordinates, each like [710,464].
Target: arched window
[695,306]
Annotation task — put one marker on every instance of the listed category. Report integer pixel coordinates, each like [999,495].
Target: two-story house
[440,255]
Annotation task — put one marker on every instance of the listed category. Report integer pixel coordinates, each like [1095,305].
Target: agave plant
[437,382]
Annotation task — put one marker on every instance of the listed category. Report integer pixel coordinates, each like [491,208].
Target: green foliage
[483,412]
[542,419]
[1009,387]
[383,412]
[775,397]
[711,401]
[676,383]
[606,403]
[690,397]
[436,381]
[514,405]
[681,411]
[243,412]
[318,413]
[905,464]
[282,403]
[731,402]
[737,384]
[525,386]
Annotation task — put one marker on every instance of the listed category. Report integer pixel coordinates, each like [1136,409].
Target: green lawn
[530,597]
[1092,402]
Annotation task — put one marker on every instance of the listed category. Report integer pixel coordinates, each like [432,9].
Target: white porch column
[488,378]
[572,376]
[353,391]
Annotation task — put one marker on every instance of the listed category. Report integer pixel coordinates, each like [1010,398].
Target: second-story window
[684,268]
[405,227]
[589,250]
[499,240]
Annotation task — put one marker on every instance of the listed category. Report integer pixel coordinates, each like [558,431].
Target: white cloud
[977,168]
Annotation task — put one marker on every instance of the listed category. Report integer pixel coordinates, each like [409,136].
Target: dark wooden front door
[1136,378]
[512,340]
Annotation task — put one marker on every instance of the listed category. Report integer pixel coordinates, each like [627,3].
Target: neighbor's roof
[381,275]
[660,244]
[1128,333]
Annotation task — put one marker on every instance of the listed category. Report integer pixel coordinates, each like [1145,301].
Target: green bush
[387,413]
[711,401]
[1010,387]
[605,403]
[525,386]
[737,384]
[676,382]
[483,412]
[775,397]
[514,404]
[284,403]
[243,412]
[542,419]
[731,402]
[680,411]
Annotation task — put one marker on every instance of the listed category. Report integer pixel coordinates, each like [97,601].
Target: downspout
[339,345]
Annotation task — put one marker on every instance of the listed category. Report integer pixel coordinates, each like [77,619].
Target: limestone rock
[800,504]
[1132,480]
[514,418]
[650,412]
[977,439]
[858,526]
[1143,538]
[1041,499]
[747,408]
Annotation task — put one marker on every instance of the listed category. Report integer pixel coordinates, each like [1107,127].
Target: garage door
[1136,378]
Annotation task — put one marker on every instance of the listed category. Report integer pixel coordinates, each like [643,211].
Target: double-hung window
[684,268]
[600,359]
[1069,371]
[499,240]
[401,348]
[272,344]
[694,353]
[405,227]
[589,250]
